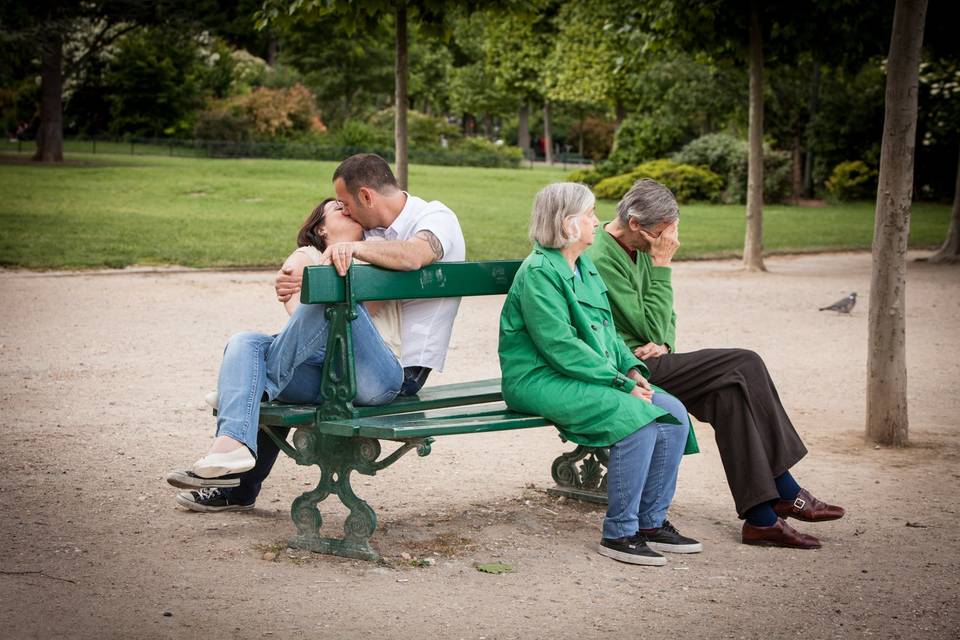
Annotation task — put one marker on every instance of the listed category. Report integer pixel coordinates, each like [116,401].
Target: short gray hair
[649,203]
[554,205]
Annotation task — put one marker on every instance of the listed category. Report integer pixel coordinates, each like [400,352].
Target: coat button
[606,353]
[594,327]
[605,323]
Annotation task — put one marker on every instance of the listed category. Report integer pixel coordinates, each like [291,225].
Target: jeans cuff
[652,521]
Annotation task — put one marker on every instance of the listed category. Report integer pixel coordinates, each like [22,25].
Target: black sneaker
[633,550]
[668,539]
[210,500]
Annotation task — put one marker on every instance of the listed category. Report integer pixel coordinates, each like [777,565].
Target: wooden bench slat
[441,422]
[321,284]
[280,414]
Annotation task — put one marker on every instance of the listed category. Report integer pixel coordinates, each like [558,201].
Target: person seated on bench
[561,358]
[288,366]
[729,388]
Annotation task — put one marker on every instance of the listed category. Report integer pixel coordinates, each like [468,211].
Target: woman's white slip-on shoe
[214,465]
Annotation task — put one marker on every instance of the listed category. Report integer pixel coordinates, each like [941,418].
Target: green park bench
[341,438]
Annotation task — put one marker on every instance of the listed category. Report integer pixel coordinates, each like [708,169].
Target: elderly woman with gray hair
[561,358]
[729,388]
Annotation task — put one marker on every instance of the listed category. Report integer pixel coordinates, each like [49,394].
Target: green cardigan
[641,295]
[561,357]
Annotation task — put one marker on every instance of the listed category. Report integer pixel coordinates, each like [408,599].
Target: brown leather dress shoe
[807,508]
[778,535]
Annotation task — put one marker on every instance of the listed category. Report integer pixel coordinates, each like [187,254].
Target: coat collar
[589,288]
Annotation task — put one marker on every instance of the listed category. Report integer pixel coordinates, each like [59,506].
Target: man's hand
[642,390]
[650,350]
[340,255]
[664,246]
[287,283]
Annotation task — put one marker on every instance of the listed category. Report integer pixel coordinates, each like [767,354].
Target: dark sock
[787,487]
[761,515]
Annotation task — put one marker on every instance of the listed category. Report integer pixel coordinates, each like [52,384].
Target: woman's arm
[295,263]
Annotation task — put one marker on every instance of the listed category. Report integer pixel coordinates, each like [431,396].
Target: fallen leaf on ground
[494,567]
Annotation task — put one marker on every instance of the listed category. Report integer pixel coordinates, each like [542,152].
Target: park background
[160,156]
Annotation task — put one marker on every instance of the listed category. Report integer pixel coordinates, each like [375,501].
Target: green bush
[589,177]
[641,138]
[222,124]
[688,183]
[355,133]
[852,180]
[473,151]
[722,153]
[728,157]
[423,131]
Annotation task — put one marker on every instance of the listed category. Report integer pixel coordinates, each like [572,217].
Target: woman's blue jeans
[642,472]
[289,366]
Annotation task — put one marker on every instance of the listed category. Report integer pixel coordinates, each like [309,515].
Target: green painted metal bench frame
[341,438]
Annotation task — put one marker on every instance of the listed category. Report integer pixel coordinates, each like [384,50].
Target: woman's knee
[246,339]
[672,405]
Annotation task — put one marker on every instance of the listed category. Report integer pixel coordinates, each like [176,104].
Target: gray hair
[649,203]
[554,205]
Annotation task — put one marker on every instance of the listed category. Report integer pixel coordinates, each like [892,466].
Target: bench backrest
[322,284]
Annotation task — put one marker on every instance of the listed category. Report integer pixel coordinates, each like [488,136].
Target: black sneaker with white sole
[669,540]
[633,550]
[183,479]
[210,500]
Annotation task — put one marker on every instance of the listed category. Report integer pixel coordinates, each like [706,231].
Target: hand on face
[664,245]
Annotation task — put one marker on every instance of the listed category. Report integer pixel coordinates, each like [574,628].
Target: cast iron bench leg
[337,458]
[589,481]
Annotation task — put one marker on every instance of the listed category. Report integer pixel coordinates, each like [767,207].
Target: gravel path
[101,393]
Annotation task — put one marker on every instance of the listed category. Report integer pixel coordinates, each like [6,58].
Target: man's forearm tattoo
[433,241]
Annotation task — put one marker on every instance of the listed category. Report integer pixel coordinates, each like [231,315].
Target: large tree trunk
[547,137]
[886,343]
[814,107]
[950,251]
[50,135]
[753,242]
[400,99]
[523,128]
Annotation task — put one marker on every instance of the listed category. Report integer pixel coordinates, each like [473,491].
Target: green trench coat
[561,357]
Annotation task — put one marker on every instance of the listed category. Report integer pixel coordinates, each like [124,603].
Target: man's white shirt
[426,325]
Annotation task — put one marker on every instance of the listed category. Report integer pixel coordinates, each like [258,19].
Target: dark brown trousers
[732,390]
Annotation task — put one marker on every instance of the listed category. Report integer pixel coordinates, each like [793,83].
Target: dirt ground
[101,392]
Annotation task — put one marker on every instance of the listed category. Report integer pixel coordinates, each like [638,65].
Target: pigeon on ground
[842,306]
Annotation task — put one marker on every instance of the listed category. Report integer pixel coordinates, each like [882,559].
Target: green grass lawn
[115,210]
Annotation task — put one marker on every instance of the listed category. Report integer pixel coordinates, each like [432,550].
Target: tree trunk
[887,421]
[547,138]
[753,242]
[272,50]
[620,111]
[950,251]
[580,135]
[814,107]
[797,170]
[400,98]
[523,128]
[50,134]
